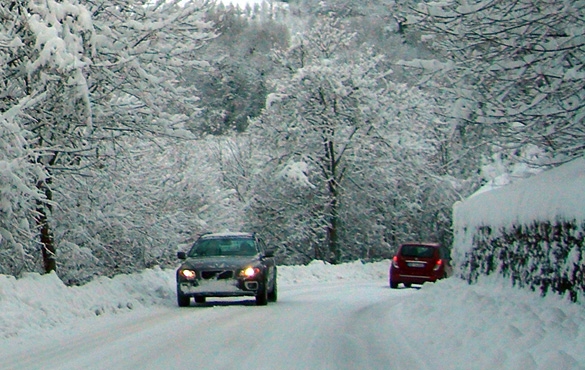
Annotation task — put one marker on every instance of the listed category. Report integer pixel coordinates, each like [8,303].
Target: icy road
[326,326]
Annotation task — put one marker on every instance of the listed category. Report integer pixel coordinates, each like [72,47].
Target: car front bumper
[218,288]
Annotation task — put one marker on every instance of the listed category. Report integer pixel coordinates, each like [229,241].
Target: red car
[417,263]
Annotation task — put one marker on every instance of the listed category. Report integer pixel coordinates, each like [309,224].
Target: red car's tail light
[438,265]
[395,262]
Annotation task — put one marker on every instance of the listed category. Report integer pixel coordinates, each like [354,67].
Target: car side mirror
[269,253]
[182,255]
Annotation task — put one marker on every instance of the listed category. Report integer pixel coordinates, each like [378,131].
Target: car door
[269,263]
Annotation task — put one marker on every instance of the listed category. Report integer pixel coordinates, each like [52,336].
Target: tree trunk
[332,185]
[332,236]
[47,241]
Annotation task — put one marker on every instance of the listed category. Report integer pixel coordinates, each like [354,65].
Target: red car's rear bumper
[412,279]
[409,276]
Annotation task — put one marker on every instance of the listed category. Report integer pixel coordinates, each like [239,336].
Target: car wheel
[393,284]
[262,296]
[199,299]
[273,295]
[183,300]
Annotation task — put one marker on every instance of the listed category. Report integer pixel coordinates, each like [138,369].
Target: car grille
[217,274]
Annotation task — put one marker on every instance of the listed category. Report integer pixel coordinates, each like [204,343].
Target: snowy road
[327,317]
[325,326]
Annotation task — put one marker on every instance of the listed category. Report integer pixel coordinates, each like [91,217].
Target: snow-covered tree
[18,197]
[147,202]
[77,74]
[338,137]
[233,87]
[44,86]
[515,66]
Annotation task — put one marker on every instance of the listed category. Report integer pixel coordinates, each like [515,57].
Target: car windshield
[223,247]
[421,251]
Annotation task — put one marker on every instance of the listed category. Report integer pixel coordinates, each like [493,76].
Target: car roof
[228,235]
[425,244]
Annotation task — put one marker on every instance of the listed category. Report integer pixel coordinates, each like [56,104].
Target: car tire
[273,294]
[262,296]
[183,300]
[393,284]
[199,299]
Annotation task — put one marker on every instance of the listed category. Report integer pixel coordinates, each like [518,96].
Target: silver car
[227,265]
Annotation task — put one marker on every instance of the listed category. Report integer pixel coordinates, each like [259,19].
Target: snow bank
[555,194]
[319,271]
[37,302]
[490,325]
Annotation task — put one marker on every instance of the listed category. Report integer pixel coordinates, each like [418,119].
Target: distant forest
[335,129]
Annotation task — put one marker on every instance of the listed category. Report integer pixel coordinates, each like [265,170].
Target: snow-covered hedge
[543,255]
[531,232]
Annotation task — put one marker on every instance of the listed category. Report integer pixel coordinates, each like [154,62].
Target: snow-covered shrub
[549,256]
[531,232]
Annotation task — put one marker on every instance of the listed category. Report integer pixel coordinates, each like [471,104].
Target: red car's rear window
[420,251]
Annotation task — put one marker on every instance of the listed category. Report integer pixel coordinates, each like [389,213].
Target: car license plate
[415,264]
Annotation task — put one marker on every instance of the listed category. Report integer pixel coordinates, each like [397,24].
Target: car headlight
[250,272]
[188,274]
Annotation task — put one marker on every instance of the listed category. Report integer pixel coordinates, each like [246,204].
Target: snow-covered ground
[450,324]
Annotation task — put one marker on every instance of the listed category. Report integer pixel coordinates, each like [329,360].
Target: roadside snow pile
[322,271]
[37,302]
[556,194]
[490,325]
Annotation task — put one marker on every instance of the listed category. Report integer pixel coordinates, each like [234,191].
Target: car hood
[219,262]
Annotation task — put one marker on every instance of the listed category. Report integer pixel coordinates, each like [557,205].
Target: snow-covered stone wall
[531,231]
